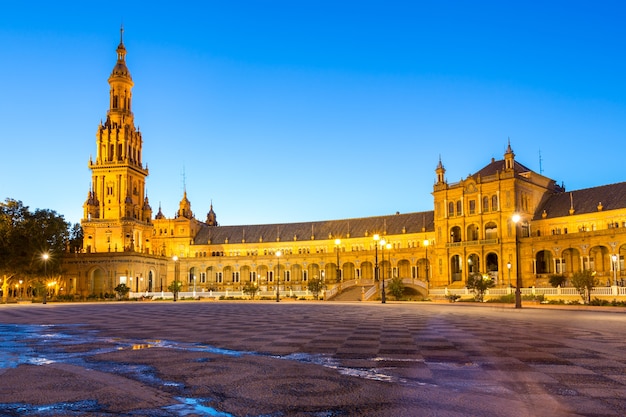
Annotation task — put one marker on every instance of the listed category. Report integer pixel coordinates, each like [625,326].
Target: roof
[330,229]
[498,166]
[611,196]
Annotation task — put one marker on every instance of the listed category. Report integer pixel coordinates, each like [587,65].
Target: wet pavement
[309,359]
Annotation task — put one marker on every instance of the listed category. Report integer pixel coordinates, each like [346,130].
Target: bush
[452,297]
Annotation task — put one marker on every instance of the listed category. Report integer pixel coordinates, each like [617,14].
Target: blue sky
[287,111]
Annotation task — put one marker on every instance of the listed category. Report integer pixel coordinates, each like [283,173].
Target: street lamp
[518,281]
[45,258]
[376,239]
[614,257]
[339,277]
[508,266]
[426,243]
[383,298]
[278,253]
[176,272]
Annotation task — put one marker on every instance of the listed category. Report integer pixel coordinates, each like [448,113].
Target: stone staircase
[350,294]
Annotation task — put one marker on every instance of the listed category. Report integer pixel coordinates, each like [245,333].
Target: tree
[76,238]
[396,287]
[122,290]
[479,284]
[584,282]
[316,286]
[25,237]
[556,280]
[175,287]
[250,289]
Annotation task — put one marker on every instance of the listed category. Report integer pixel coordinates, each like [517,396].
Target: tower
[117,213]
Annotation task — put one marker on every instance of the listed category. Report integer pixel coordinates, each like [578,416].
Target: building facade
[502,220]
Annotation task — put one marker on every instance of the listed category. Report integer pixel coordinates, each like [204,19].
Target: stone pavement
[309,359]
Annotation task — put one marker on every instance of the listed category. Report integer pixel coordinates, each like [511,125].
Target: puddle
[70,344]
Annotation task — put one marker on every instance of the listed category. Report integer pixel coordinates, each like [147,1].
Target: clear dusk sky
[289,111]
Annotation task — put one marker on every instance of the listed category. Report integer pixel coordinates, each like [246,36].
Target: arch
[600,259]
[404,268]
[245,274]
[314,271]
[451,209]
[349,271]
[150,287]
[491,231]
[96,283]
[455,234]
[570,258]
[492,263]
[473,232]
[227,277]
[473,264]
[543,262]
[367,270]
[456,268]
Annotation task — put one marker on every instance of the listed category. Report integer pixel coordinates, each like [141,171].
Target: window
[252,276]
[485,204]
[305,275]
[472,206]
[218,277]
[235,276]
[494,203]
[459,208]
[270,276]
[451,209]
[287,275]
[560,266]
[202,277]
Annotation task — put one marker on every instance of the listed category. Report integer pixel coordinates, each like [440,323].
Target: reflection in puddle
[44,345]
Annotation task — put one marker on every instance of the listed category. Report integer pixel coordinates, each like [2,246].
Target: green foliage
[250,289]
[396,288]
[316,286]
[584,282]
[175,287]
[122,290]
[479,284]
[557,280]
[25,236]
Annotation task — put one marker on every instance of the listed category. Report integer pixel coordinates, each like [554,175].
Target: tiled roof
[612,196]
[391,225]
[498,166]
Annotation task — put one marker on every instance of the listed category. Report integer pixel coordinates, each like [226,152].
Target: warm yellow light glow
[278,253]
[516,218]
[376,237]
[175,258]
[45,256]
[337,241]
[388,246]
[426,242]
[382,242]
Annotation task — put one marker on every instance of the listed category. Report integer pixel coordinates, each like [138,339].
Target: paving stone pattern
[309,359]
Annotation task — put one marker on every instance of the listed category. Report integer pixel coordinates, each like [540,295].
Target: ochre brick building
[470,230]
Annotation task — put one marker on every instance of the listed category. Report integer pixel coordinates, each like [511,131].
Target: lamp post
[376,239]
[426,243]
[518,281]
[176,272]
[383,298]
[278,253]
[194,286]
[614,258]
[339,277]
[508,266]
[45,258]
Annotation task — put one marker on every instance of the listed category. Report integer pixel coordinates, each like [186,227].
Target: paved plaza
[316,359]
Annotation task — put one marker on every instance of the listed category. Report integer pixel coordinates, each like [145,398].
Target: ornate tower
[117,214]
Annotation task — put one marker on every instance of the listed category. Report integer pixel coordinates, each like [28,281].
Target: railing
[613,291]
[370,293]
